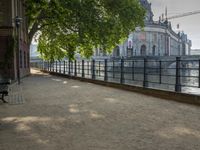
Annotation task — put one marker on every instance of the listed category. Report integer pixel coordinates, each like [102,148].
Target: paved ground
[63,114]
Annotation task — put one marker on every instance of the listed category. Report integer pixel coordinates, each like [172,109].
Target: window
[154,50]
[154,37]
[143,50]
[116,51]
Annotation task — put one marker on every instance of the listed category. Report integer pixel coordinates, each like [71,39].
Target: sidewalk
[62,114]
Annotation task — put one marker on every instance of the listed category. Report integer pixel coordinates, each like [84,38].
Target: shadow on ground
[66,114]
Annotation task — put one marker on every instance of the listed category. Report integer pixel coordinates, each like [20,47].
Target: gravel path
[64,114]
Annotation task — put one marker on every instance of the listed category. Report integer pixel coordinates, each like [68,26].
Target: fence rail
[180,75]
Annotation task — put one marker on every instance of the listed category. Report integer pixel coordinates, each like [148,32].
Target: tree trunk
[32,32]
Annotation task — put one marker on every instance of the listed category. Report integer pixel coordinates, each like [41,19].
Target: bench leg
[2,98]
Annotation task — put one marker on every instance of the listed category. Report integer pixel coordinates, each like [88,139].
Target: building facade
[195,51]
[12,55]
[156,39]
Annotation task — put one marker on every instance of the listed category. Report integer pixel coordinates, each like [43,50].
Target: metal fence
[176,74]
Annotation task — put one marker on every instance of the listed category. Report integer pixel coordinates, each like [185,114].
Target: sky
[190,24]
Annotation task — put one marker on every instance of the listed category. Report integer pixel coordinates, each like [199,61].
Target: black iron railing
[176,74]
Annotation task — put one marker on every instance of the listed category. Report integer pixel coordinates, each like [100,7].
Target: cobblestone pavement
[64,114]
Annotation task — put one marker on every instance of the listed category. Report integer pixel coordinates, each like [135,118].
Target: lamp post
[17,24]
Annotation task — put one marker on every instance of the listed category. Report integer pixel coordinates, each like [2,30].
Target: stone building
[10,56]
[156,39]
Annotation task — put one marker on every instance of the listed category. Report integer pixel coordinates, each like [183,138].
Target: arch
[154,50]
[143,50]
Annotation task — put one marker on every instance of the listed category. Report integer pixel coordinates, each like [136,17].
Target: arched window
[143,50]
[154,50]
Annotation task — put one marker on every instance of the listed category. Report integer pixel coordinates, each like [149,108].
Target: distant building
[9,58]
[157,39]
[195,52]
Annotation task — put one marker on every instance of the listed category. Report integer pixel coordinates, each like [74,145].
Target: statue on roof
[149,13]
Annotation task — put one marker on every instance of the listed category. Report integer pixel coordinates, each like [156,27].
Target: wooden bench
[4,88]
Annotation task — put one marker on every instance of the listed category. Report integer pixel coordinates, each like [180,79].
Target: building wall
[156,39]
[9,9]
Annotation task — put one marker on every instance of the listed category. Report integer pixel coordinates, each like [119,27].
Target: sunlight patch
[111,100]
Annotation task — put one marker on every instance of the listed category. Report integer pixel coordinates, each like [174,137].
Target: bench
[4,88]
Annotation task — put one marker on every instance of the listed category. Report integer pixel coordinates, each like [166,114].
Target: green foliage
[79,26]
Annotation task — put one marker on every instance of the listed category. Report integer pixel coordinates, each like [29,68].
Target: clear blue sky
[190,24]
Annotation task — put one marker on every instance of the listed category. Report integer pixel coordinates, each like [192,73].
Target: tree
[70,26]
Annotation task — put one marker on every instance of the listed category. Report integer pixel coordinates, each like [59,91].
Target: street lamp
[18,21]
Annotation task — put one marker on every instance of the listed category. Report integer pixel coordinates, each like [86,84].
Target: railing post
[41,65]
[59,66]
[48,65]
[99,68]
[93,69]
[88,70]
[83,71]
[105,70]
[113,69]
[160,72]
[78,67]
[72,68]
[178,78]
[133,70]
[199,73]
[53,66]
[145,82]
[56,66]
[64,67]
[69,65]
[122,71]
[75,68]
